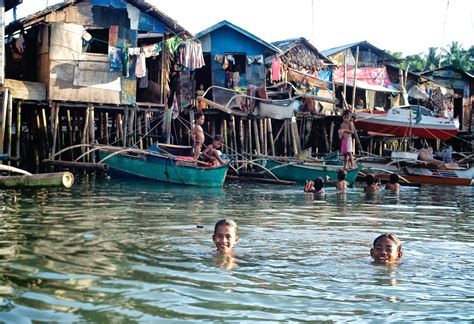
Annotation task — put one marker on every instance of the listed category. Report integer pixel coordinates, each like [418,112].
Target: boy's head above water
[341,175]
[387,249]
[225,235]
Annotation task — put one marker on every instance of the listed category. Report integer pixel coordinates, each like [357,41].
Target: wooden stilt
[85,132]
[9,126]
[326,139]
[265,136]
[249,139]
[256,137]
[18,132]
[92,131]
[234,135]
[270,136]
[125,127]
[226,138]
[331,136]
[140,133]
[106,128]
[261,136]
[6,95]
[241,136]
[295,137]
[45,131]
[285,138]
[55,126]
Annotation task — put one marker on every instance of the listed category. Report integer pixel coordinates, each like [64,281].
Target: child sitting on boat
[198,134]
[225,236]
[212,154]
[387,249]
[370,184]
[345,134]
[315,186]
[393,184]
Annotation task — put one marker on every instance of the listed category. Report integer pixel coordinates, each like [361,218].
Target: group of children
[371,185]
[211,153]
[386,249]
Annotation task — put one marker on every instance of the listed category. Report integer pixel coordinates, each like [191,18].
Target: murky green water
[133,252]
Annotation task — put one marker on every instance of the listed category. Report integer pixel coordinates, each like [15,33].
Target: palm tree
[433,59]
[456,56]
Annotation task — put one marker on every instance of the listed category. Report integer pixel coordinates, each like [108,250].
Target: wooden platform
[25,90]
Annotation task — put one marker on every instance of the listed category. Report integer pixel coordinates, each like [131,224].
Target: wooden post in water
[54,126]
[285,138]
[106,128]
[18,131]
[85,133]
[270,136]
[265,136]
[234,135]
[10,126]
[262,136]
[256,137]
[249,139]
[241,136]
[331,136]
[226,138]
[4,116]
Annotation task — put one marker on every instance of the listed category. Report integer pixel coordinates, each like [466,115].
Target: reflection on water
[133,251]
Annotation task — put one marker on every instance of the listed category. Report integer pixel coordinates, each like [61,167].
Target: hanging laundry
[151,50]
[134,50]
[225,65]
[173,43]
[276,67]
[126,64]
[175,107]
[140,69]
[115,59]
[255,60]
[190,55]
[219,58]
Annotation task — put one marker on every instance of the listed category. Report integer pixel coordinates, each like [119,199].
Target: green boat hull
[299,171]
[164,169]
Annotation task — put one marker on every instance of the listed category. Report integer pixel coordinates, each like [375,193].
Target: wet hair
[318,184]
[218,138]
[226,222]
[391,237]
[369,179]
[341,175]
[346,112]
[198,115]
[394,178]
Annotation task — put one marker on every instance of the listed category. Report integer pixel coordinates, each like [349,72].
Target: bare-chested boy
[198,134]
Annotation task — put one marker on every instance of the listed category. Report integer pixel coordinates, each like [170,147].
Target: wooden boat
[276,110]
[154,165]
[300,171]
[408,121]
[419,171]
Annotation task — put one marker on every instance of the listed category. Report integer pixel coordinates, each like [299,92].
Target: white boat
[406,121]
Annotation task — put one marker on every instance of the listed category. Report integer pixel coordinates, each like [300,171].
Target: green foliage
[454,54]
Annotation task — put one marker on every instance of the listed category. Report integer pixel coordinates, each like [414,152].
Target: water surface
[133,251]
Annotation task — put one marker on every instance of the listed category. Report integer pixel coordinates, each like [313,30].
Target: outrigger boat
[154,164]
[299,171]
[238,103]
[410,120]
[417,171]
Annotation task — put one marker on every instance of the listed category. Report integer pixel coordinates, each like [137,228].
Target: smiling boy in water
[225,236]
[387,249]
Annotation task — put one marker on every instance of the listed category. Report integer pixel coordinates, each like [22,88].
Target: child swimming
[393,183]
[370,184]
[387,249]
[341,183]
[225,236]
[315,186]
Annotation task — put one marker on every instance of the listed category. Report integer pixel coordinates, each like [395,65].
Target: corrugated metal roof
[240,30]
[446,68]
[142,5]
[287,44]
[377,50]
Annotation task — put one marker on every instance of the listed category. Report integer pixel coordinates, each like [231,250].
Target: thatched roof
[298,53]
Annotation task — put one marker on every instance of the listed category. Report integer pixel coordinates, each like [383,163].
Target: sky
[407,26]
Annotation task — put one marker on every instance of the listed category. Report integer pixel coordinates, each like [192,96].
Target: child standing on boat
[226,236]
[212,153]
[345,134]
[198,134]
[387,249]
